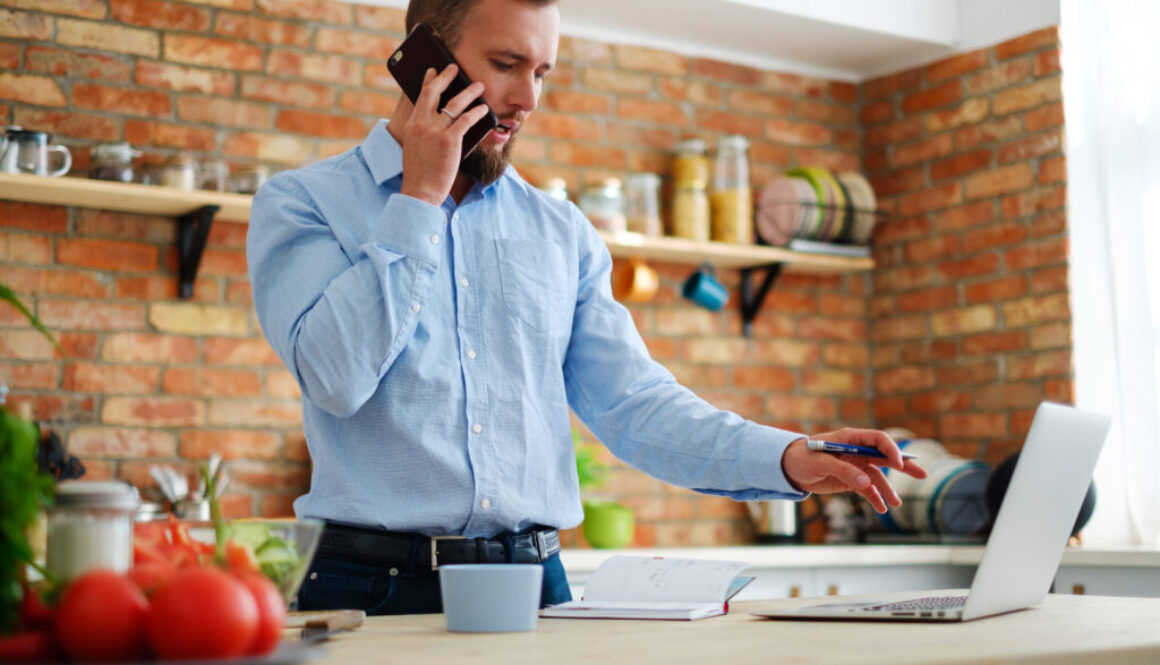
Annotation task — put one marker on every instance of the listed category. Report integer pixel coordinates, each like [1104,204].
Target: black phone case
[423,50]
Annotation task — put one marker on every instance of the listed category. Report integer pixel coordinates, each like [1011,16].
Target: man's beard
[486,166]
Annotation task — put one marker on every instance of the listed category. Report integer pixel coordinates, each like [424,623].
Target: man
[441,320]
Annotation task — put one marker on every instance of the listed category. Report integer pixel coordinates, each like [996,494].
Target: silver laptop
[1029,535]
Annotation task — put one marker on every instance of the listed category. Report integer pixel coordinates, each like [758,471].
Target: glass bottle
[732,200]
[180,172]
[690,199]
[604,206]
[213,176]
[90,525]
[113,161]
[641,204]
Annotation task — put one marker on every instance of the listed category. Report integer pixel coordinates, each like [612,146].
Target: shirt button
[477,428]
[471,353]
[463,282]
[485,504]
[416,307]
[434,238]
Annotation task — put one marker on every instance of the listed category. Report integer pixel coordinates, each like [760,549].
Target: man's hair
[447,16]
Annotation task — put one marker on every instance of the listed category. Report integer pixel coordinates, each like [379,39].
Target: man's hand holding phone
[433,137]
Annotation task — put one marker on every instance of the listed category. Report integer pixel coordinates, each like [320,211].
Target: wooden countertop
[1063,630]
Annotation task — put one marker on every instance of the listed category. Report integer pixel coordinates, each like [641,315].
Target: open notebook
[637,587]
[1027,540]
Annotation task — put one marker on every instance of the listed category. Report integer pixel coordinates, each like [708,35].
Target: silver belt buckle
[547,543]
[434,548]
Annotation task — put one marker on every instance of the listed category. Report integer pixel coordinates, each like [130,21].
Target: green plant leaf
[23,492]
[9,295]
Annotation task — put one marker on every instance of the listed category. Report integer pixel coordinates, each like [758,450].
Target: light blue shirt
[439,349]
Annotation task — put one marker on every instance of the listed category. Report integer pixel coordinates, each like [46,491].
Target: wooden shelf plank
[153,200]
[121,197]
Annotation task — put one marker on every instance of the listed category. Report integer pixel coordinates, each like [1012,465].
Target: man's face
[509,46]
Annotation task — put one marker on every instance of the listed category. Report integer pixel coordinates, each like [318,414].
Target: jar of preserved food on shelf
[90,525]
[249,179]
[732,200]
[604,206]
[691,165]
[213,176]
[642,208]
[690,196]
[113,161]
[179,172]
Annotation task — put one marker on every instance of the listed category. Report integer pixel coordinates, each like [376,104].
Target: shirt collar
[384,156]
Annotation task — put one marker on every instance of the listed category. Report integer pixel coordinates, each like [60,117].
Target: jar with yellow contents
[690,195]
[732,200]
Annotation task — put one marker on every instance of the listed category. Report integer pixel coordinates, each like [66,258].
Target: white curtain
[1111,85]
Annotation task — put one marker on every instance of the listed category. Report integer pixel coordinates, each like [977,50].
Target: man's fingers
[433,87]
[469,118]
[885,490]
[460,102]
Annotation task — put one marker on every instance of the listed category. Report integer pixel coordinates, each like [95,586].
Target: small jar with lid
[642,204]
[732,200]
[179,172]
[604,206]
[113,161]
[690,191]
[213,176]
[90,525]
[250,178]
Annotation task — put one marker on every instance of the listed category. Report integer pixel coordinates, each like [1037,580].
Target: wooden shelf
[725,255]
[121,197]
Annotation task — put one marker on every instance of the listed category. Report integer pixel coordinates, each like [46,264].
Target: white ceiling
[839,39]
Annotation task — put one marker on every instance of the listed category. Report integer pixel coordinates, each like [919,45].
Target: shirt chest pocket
[534,279]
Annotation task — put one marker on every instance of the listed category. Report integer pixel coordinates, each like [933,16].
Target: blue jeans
[335,583]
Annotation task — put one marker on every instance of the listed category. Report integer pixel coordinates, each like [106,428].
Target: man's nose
[525,93]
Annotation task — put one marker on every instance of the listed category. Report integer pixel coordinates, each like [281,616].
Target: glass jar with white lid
[90,525]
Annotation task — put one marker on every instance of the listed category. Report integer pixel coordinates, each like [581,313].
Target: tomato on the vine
[203,612]
[271,612]
[102,616]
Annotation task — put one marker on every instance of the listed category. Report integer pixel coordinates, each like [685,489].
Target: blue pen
[848,449]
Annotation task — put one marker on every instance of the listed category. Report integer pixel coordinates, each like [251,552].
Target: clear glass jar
[213,176]
[641,203]
[604,206]
[90,525]
[690,195]
[732,200]
[179,172]
[113,161]
[250,178]
[691,165]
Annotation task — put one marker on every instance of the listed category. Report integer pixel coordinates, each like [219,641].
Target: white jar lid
[96,494]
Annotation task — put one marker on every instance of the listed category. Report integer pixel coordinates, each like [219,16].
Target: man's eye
[502,66]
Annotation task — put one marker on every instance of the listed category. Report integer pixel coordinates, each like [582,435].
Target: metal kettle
[27,151]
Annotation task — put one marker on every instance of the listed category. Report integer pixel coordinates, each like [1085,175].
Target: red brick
[160,15]
[973,425]
[278,505]
[25,344]
[841,330]
[797,133]
[212,382]
[941,196]
[834,160]
[1062,391]
[825,112]
[268,31]
[999,181]
[750,101]
[354,42]
[320,67]
[610,80]
[1027,43]
[153,412]
[576,102]
[1052,170]
[983,264]
[841,305]
[963,320]
[74,65]
[9,55]
[1001,235]
[141,132]
[649,137]
[367,102]
[844,93]
[120,100]
[1047,63]
[1051,336]
[289,93]
[956,65]
[999,76]
[187,79]
[70,124]
[1048,224]
[321,124]
[785,352]
[970,112]
[33,217]
[939,96]
[82,315]
[26,375]
[321,11]
[239,352]
[294,447]
[268,147]
[889,408]
[25,25]
[903,278]
[719,70]
[585,50]
[908,79]
[1026,97]
[254,413]
[728,123]
[120,442]
[700,93]
[833,382]
[560,126]
[230,444]
[222,112]
[28,89]
[111,255]
[1040,199]
[581,154]
[939,297]
[651,60]
[213,52]
[25,248]
[889,329]
[903,380]
[147,347]
[1036,309]
[764,379]
[1040,365]
[801,408]
[385,19]
[894,133]
[1049,279]
[1035,255]
[1031,147]
[237,506]
[997,290]
[960,164]
[164,287]
[100,378]
[228,235]
[108,36]
[962,217]
[125,226]
[898,182]
[988,132]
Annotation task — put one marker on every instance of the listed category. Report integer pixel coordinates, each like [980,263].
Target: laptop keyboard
[928,603]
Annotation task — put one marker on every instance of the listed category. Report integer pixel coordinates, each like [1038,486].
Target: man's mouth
[506,129]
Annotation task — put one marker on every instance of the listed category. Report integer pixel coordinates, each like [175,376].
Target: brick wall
[150,379]
[970,322]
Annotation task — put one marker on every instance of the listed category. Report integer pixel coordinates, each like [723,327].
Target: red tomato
[102,616]
[147,553]
[151,575]
[36,646]
[202,613]
[34,612]
[240,558]
[271,612]
[150,533]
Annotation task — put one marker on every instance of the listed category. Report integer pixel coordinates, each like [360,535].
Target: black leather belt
[389,548]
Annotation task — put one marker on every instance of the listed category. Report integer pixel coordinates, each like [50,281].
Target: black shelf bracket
[751,300]
[192,233]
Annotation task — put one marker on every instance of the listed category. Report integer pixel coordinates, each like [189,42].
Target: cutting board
[329,620]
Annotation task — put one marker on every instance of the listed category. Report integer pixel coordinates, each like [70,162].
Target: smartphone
[423,50]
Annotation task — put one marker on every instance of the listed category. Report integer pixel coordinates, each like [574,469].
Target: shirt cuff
[759,467]
[412,228]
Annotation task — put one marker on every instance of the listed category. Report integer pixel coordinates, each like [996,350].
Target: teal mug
[703,288]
